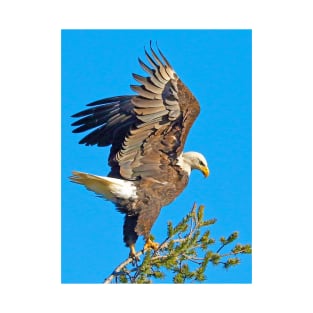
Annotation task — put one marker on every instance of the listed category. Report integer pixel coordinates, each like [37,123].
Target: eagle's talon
[151,245]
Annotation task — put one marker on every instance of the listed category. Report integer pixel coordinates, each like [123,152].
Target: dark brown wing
[147,131]
[113,117]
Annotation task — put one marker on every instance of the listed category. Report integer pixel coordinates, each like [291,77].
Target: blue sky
[216,66]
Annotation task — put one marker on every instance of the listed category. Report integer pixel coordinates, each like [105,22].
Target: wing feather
[141,102]
[146,93]
[148,84]
[145,67]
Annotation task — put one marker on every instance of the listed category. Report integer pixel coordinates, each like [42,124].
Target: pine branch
[119,269]
[184,254]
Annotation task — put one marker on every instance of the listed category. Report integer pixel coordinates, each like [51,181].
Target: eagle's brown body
[147,134]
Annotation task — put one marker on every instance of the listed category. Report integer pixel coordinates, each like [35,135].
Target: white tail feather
[107,187]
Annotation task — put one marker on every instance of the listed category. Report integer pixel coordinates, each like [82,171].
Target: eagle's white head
[193,160]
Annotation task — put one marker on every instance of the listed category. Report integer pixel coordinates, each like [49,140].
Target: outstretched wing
[147,131]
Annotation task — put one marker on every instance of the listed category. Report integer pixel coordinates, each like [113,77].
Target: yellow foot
[132,253]
[151,245]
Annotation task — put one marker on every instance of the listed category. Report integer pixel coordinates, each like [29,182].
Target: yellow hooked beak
[205,170]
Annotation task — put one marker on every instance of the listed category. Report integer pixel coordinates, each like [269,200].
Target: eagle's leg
[151,245]
[130,236]
[132,252]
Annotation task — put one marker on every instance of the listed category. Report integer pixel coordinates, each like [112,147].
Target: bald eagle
[147,133]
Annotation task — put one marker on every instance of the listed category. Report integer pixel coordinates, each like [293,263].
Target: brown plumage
[147,134]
